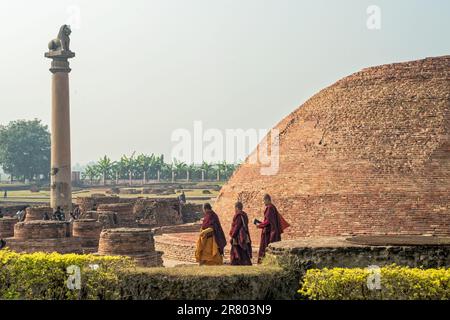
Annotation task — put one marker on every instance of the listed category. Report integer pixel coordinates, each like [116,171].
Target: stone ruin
[124,212]
[118,227]
[137,243]
[47,236]
[7,226]
[88,230]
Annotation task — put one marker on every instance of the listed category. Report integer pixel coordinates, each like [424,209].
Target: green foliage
[397,283]
[25,149]
[45,276]
[206,282]
[147,166]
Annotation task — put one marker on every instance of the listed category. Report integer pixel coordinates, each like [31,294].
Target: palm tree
[144,162]
[104,167]
[90,172]
[206,167]
[128,165]
[180,167]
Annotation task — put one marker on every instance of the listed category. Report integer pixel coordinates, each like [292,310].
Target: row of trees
[153,167]
[25,155]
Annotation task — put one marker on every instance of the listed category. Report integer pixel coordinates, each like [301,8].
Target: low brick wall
[124,212]
[60,245]
[37,213]
[40,229]
[7,227]
[329,252]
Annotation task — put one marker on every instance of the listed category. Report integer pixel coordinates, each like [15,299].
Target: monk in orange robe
[211,241]
[241,244]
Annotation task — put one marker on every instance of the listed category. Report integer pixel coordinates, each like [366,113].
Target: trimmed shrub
[206,282]
[396,283]
[45,276]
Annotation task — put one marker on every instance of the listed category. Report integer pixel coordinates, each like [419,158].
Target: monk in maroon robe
[271,227]
[211,220]
[241,245]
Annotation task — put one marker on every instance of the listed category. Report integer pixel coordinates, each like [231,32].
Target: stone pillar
[61,185]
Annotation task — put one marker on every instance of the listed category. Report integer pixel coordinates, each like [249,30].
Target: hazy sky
[145,68]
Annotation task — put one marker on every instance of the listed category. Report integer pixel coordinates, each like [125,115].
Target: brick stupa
[367,155]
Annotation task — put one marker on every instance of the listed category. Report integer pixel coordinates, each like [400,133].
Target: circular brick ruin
[368,155]
[7,227]
[88,230]
[137,243]
[44,236]
[40,229]
[124,211]
[108,219]
[37,213]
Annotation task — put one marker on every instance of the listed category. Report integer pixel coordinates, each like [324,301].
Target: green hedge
[207,282]
[396,283]
[44,276]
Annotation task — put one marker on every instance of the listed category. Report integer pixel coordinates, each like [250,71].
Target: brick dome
[367,155]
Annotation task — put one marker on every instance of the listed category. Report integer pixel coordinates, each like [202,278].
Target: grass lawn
[43,195]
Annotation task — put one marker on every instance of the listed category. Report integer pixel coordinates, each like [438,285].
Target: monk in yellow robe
[211,241]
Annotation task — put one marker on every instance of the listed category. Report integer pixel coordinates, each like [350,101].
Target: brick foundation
[136,243]
[124,213]
[7,227]
[37,213]
[88,230]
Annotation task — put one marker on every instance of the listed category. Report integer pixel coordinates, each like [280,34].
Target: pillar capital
[60,60]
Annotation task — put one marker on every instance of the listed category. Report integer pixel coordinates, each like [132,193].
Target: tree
[25,149]
[206,167]
[91,172]
[104,167]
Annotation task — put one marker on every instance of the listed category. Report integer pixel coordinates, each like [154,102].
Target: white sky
[145,68]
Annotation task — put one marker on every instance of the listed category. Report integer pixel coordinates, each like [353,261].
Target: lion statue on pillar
[62,41]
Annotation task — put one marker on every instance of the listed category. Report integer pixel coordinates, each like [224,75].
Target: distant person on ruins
[182,198]
[5,194]
[1,214]
[59,214]
[45,216]
[241,244]
[272,226]
[21,214]
[76,213]
[211,241]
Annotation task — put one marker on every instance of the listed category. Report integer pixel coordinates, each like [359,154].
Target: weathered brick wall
[124,212]
[368,155]
[332,252]
[37,213]
[89,232]
[41,229]
[7,226]
[137,243]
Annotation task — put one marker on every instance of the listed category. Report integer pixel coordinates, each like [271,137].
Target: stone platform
[363,251]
